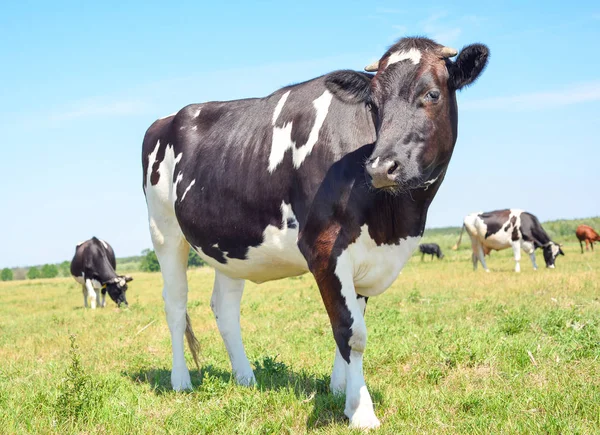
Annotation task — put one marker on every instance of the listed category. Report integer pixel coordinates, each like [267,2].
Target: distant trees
[64,268]
[49,271]
[194,259]
[6,274]
[33,273]
[150,262]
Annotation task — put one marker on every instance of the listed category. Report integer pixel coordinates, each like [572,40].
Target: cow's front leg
[338,374]
[350,333]
[103,298]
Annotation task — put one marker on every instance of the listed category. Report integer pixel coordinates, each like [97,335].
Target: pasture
[449,351]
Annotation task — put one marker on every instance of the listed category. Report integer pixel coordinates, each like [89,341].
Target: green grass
[449,351]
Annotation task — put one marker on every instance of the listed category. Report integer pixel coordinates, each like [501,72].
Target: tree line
[148,263]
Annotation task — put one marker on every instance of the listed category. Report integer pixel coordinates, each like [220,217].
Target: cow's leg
[581,246]
[225,303]
[587,245]
[350,333]
[84,290]
[517,253]
[592,244]
[422,256]
[103,298]
[532,256]
[172,252]
[338,374]
[478,255]
[98,298]
[91,293]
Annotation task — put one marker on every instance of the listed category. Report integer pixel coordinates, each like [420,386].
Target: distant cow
[93,266]
[430,249]
[588,235]
[503,229]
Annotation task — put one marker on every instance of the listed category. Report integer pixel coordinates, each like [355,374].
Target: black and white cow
[431,249]
[502,229]
[93,266]
[332,176]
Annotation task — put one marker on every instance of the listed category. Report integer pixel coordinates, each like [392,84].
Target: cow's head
[551,251]
[116,289]
[413,99]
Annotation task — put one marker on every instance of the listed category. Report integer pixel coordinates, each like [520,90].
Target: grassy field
[449,351]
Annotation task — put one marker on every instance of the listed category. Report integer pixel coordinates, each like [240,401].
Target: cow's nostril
[393,168]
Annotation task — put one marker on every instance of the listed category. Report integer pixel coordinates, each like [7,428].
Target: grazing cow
[503,229]
[431,249]
[587,234]
[332,176]
[93,266]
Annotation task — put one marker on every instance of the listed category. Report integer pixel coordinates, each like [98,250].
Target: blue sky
[81,81]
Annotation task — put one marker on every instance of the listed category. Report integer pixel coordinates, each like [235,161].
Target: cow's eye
[433,96]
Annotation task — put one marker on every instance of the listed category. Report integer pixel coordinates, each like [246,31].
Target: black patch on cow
[507,227]
[291,223]
[494,221]
[515,234]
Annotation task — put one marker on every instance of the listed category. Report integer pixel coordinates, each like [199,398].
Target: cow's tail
[455,247]
[193,343]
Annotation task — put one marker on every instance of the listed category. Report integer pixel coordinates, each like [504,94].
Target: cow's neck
[393,218]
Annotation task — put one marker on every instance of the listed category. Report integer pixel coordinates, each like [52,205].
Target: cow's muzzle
[383,173]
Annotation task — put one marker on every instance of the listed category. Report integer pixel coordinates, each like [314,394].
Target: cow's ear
[351,87]
[127,278]
[469,64]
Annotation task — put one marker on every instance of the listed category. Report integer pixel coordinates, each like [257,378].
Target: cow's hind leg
[225,303]
[338,374]
[517,253]
[91,293]
[581,246]
[84,290]
[172,253]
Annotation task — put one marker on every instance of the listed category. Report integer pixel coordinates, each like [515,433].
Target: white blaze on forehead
[282,136]
[374,165]
[413,55]
[279,106]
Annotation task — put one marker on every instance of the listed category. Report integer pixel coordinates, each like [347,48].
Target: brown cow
[587,234]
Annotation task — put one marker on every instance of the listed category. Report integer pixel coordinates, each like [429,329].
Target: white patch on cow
[104,243]
[279,106]
[282,136]
[194,128]
[276,257]
[164,191]
[555,248]
[175,184]
[197,113]
[187,189]
[375,163]
[377,266]
[430,182]
[413,55]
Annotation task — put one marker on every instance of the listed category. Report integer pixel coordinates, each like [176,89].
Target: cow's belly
[277,257]
[376,267]
[498,241]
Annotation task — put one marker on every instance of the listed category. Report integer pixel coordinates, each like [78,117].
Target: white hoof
[180,379]
[363,419]
[487,270]
[245,380]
